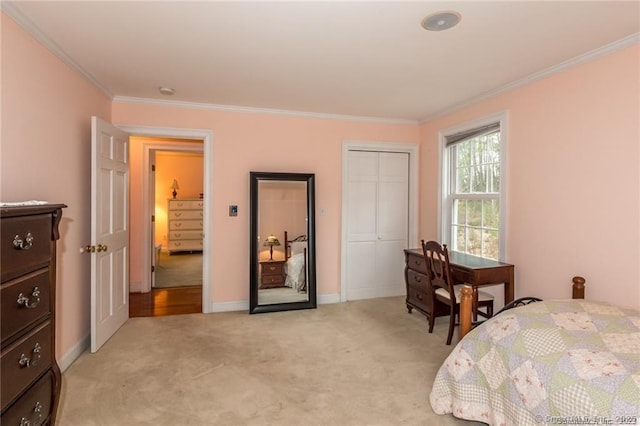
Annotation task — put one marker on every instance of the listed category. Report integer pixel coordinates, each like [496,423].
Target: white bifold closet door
[377,221]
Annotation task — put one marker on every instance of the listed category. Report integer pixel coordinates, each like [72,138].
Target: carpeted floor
[179,269]
[358,363]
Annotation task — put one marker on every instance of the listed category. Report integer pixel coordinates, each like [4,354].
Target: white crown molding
[562,66]
[14,13]
[255,110]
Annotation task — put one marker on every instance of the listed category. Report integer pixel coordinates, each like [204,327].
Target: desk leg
[509,288]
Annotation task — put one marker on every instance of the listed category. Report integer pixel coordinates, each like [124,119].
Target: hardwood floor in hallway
[166,301]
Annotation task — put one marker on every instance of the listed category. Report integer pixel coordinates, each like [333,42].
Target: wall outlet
[233,210]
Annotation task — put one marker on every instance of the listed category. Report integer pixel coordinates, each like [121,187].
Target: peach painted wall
[573,178]
[244,142]
[45,154]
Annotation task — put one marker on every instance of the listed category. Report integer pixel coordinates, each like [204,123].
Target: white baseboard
[135,287]
[324,299]
[242,305]
[72,354]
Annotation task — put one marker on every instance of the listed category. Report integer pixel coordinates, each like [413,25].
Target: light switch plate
[233,210]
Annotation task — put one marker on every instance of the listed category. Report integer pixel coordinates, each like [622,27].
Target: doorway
[190,145]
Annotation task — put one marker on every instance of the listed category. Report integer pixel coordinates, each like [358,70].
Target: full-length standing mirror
[283,255]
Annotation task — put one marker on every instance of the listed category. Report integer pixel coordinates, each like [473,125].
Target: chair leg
[452,325]
[432,322]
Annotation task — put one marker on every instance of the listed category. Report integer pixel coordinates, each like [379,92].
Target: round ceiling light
[168,91]
[441,21]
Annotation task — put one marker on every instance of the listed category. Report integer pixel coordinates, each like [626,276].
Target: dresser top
[30,210]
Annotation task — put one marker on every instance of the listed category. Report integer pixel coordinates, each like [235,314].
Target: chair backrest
[436,257]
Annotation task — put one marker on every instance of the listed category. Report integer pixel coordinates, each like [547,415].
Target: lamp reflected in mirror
[271,241]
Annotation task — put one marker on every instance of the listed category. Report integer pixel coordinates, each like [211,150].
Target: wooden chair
[445,295]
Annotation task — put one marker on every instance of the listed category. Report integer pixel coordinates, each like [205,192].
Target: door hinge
[153,268]
[153,218]
[153,167]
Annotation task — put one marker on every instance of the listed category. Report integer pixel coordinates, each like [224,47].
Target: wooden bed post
[466,308]
[578,288]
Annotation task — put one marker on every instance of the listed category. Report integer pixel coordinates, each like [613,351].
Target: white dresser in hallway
[184,219]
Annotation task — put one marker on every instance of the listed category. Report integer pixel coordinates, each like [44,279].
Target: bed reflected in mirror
[282,242]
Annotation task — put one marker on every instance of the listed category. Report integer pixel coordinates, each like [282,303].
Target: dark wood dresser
[29,374]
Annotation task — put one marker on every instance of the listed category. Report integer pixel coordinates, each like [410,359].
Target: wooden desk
[465,268]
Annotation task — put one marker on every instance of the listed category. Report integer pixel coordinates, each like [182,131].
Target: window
[472,191]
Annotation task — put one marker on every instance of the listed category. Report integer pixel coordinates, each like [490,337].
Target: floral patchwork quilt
[551,362]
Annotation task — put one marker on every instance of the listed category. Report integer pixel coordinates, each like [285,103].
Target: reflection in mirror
[282,242]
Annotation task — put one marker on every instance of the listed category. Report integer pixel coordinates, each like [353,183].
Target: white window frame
[445,205]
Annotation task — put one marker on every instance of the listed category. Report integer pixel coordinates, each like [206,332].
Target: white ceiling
[363,59]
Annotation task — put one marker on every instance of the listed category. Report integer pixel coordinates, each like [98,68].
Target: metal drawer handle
[272,268]
[35,417]
[24,300]
[177,214]
[21,244]
[34,360]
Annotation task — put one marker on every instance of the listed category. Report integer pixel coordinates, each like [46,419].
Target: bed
[549,362]
[296,266]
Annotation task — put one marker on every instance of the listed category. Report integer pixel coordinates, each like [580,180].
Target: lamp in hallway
[175,186]
[271,241]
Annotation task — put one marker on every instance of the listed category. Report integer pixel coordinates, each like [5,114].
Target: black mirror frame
[255,178]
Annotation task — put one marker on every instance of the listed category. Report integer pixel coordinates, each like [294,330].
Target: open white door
[109,231]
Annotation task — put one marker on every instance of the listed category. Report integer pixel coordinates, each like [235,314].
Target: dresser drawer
[34,406]
[417,263]
[24,361]
[417,279]
[272,268]
[418,296]
[177,225]
[186,235]
[185,214]
[24,301]
[186,204]
[185,245]
[272,279]
[33,233]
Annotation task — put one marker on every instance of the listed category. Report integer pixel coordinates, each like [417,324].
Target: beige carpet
[356,363]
